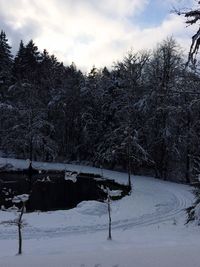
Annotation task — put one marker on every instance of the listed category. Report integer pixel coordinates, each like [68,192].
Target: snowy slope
[148,228]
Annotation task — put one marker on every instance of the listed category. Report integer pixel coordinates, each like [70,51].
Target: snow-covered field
[148,229]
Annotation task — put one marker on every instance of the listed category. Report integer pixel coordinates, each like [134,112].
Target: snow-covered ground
[148,229]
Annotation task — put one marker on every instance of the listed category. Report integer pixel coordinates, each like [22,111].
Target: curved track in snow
[151,202]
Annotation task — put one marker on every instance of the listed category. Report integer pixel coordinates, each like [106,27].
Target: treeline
[142,115]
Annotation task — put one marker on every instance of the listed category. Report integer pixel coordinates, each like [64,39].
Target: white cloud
[121,8]
[86,32]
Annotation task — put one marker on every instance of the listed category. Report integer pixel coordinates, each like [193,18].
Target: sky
[93,32]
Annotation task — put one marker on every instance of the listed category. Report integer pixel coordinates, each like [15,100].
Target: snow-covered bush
[71,176]
[20,198]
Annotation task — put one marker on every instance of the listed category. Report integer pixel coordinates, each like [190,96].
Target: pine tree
[5,80]
[18,66]
[90,114]
[26,63]
[64,107]
[5,64]
[29,131]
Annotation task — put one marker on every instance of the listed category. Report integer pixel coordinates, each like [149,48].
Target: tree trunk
[109,215]
[129,158]
[30,174]
[20,239]
[19,224]
[187,176]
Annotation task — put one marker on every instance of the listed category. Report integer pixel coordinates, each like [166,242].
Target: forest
[140,115]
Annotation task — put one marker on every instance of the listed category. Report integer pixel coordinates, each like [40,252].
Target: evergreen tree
[29,132]
[5,80]
[142,115]
[65,109]
[5,64]
[18,66]
[91,101]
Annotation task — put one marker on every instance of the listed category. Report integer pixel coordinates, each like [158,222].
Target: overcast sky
[93,32]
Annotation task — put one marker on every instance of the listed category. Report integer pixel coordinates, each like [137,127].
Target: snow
[71,176]
[111,193]
[92,208]
[46,179]
[20,198]
[115,193]
[148,228]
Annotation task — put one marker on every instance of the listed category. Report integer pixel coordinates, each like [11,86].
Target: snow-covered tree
[128,90]
[164,77]
[6,63]
[28,130]
[65,111]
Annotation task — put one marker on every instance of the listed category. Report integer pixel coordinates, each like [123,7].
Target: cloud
[120,8]
[87,32]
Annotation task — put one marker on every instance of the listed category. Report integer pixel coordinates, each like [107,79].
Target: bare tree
[19,221]
[109,214]
[106,190]
[19,199]
[192,17]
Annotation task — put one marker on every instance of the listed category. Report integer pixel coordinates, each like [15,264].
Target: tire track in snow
[178,199]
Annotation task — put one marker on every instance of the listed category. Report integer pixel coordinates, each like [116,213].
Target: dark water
[50,190]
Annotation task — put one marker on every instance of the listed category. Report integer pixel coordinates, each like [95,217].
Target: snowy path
[151,202]
[148,229]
